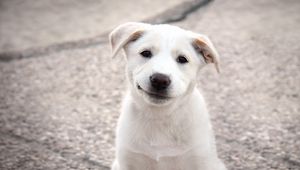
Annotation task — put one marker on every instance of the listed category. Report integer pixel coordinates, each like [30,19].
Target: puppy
[164,123]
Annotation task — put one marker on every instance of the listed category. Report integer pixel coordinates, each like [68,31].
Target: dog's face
[162,60]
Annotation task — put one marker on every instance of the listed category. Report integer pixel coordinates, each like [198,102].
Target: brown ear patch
[118,38]
[119,41]
[133,37]
[201,47]
[136,35]
[209,55]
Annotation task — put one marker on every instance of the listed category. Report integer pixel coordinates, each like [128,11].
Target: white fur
[163,134]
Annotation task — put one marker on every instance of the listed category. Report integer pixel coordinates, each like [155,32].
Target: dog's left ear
[124,34]
[204,46]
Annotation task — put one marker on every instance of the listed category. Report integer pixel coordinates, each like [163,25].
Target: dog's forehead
[168,31]
[165,34]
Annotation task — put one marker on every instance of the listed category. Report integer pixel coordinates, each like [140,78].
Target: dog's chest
[162,140]
[157,151]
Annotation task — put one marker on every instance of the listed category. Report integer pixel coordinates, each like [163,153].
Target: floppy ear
[124,34]
[204,46]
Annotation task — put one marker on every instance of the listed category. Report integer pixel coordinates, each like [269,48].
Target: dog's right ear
[124,34]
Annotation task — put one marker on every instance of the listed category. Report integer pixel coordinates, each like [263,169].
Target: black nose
[160,81]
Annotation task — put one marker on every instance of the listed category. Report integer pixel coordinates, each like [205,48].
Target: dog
[164,123]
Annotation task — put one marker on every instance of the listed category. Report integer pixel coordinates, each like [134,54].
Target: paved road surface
[58,110]
[25,24]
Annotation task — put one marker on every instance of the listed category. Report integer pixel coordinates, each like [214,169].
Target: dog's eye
[146,53]
[181,59]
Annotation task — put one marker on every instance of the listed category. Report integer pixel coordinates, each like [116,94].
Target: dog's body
[164,124]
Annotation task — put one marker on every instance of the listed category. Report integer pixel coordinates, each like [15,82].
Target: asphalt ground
[58,110]
[30,23]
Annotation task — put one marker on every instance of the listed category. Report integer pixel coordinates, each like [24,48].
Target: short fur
[172,133]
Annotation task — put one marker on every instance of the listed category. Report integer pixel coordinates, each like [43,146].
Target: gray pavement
[41,23]
[59,110]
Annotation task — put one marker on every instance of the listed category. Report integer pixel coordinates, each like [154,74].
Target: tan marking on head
[136,35]
[210,56]
[124,34]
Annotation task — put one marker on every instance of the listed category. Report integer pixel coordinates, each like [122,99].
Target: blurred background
[60,91]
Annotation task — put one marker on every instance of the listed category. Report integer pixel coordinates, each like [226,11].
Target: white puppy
[164,124]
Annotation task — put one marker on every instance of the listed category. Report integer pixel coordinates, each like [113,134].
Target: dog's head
[162,60]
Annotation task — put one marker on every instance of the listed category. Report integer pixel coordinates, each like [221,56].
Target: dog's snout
[160,81]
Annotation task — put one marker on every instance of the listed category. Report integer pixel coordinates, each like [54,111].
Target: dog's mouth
[153,94]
